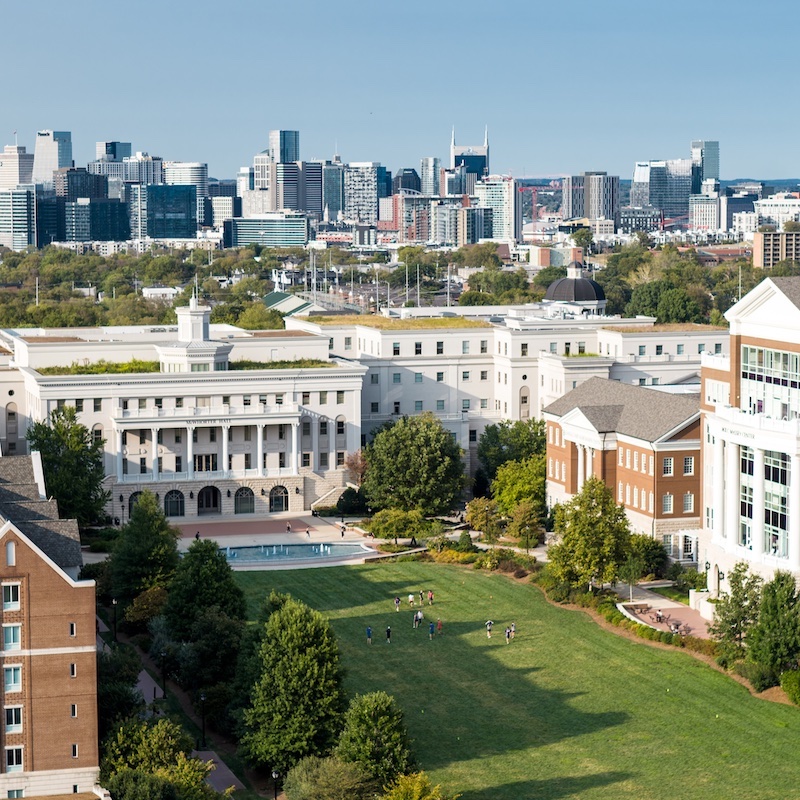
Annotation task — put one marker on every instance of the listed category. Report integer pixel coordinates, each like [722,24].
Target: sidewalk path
[220,778]
[673,611]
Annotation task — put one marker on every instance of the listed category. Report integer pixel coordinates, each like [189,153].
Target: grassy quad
[566,710]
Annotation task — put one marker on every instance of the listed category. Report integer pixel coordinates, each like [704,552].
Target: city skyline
[379,102]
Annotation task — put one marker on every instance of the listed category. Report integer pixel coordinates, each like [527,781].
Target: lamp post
[203,717]
[275,776]
[114,603]
[163,675]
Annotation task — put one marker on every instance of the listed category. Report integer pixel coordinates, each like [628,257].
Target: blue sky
[564,87]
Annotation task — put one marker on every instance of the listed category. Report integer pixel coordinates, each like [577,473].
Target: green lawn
[567,710]
[671,593]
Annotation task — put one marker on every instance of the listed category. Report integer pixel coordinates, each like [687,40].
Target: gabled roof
[22,503]
[790,287]
[634,411]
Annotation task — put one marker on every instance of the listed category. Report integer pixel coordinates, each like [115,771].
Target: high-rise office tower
[311,172]
[162,212]
[16,167]
[665,185]
[284,146]
[593,195]
[189,173]
[573,204]
[364,184]
[53,151]
[429,168]
[143,168]
[18,217]
[705,160]
[500,194]
[453,181]
[112,151]
[474,157]
[406,178]
[332,189]
[71,183]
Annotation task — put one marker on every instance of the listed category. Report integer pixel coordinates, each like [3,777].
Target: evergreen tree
[736,612]
[774,639]
[314,778]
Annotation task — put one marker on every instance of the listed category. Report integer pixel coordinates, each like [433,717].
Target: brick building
[643,444]
[48,651]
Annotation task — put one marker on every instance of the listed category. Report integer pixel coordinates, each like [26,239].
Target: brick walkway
[675,613]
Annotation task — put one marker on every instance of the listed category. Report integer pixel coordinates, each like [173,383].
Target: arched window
[208,500]
[174,505]
[97,434]
[132,501]
[245,501]
[278,499]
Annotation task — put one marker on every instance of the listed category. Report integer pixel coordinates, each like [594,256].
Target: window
[15,793]
[484,346]
[581,348]
[142,436]
[652,464]
[417,377]
[142,403]
[440,405]
[10,597]
[246,400]
[248,461]
[330,343]
[194,435]
[11,554]
[212,434]
[178,437]
[553,347]
[628,458]
[12,679]
[484,402]
[14,719]
[688,503]
[465,347]
[281,431]
[439,348]
[667,466]
[659,349]
[619,492]
[473,435]
[305,460]
[666,504]
[418,405]
[524,349]
[73,710]
[465,375]
[396,407]
[323,427]
[374,378]
[655,381]
[178,402]
[688,465]
[159,436]
[636,497]
[323,460]
[348,342]
[395,377]
[13,759]
[12,635]
[97,404]
[79,405]
[74,751]
[465,405]
[340,427]
[340,397]
[439,377]
[717,348]
[142,466]
[642,349]
[642,381]
[306,428]
[340,459]
[72,629]
[374,408]
[281,460]
[417,348]
[395,348]
[621,454]
[636,461]
[701,348]
[279,399]
[323,396]
[680,350]
[305,398]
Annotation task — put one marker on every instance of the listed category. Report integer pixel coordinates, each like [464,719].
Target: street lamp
[114,603]
[275,776]
[203,717]
[163,675]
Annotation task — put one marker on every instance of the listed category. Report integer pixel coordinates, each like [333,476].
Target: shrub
[666,637]
[450,556]
[437,543]
[327,511]
[352,501]
[465,543]
[758,676]
[790,683]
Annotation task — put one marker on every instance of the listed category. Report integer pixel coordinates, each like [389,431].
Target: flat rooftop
[667,327]
[387,324]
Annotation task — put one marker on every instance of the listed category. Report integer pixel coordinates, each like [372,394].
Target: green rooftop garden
[300,363]
[136,365]
[393,324]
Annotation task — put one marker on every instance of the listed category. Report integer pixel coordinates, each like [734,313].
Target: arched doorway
[278,499]
[208,500]
[174,504]
[245,501]
[132,501]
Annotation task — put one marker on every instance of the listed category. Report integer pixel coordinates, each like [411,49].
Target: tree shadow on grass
[548,789]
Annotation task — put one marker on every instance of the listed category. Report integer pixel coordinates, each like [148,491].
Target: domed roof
[575,289]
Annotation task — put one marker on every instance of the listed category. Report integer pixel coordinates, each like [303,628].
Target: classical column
[225,433]
[757,527]
[154,451]
[794,513]
[590,462]
[190,451]
[260,447]
[314,444]
[732,482]
[332,444]
[294,455]
[581,466]
[119,456]
[718,492]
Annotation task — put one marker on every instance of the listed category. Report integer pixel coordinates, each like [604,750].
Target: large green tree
[297,702]
[521,481]
[774,639]
[203,580]
[72,460]
[414,464]
[510,441]
[593,536]
[375,737]
[736,612]
[482,516]
[145,554]
[315,778]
